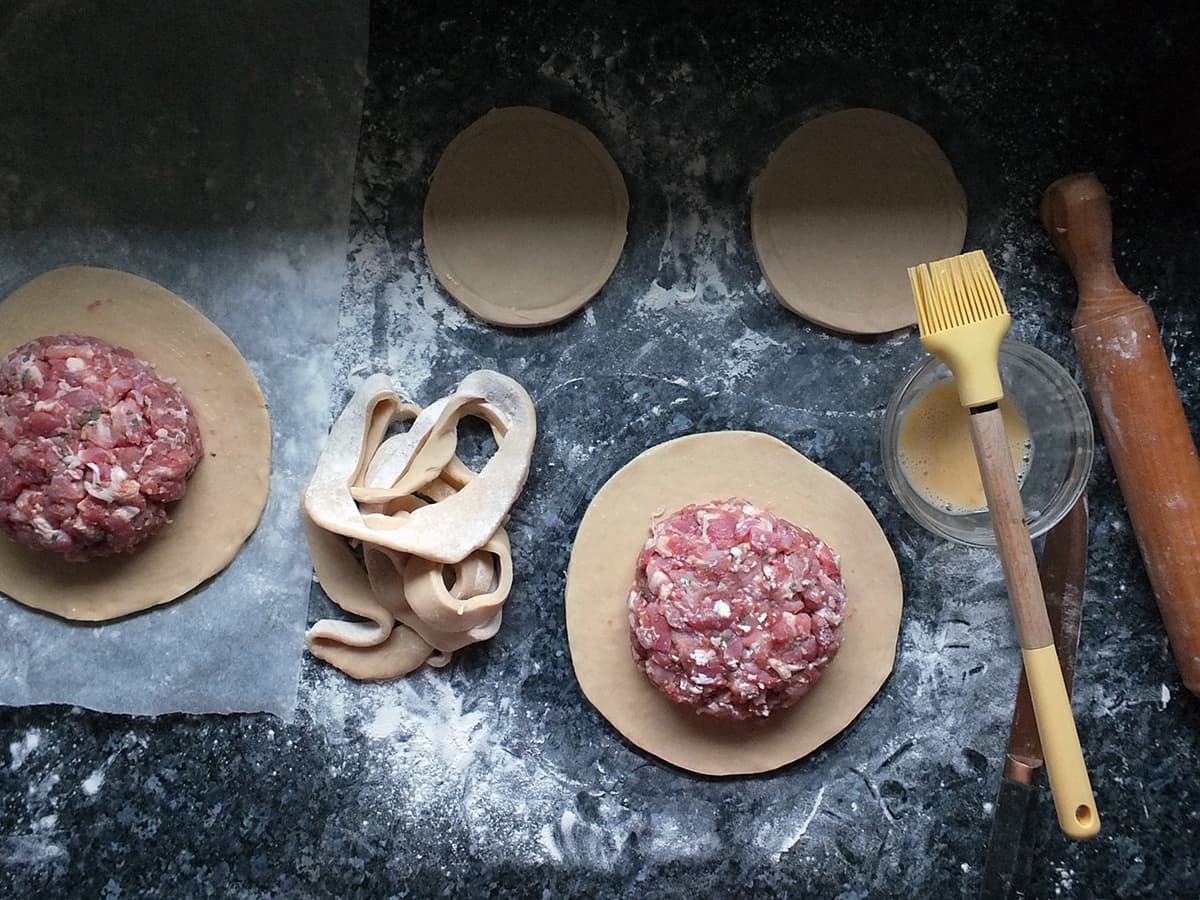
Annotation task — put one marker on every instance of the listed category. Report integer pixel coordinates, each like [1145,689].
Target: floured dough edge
[439,259]
[228,491]
[772,475]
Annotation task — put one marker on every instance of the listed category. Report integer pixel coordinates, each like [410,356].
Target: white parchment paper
[209,147]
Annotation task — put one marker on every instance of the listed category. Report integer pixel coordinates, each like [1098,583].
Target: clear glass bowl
[1060,428]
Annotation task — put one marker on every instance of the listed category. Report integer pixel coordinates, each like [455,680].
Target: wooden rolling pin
[1135,399]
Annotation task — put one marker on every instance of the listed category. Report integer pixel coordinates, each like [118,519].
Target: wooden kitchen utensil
[1133,393]
[963,319]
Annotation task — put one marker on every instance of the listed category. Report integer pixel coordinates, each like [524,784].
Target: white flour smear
[435,755]
[437,748]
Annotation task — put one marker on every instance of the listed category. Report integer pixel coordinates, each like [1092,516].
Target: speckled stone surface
[494,777]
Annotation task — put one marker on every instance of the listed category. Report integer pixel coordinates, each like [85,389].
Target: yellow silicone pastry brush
[963,319]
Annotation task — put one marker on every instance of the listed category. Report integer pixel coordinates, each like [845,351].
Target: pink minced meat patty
[92,445]
[735,611]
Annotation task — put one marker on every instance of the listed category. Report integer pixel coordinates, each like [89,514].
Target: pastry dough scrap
[446,531]
[436,562]
[472,601]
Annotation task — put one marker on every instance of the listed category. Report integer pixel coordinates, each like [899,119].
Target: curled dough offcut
[446,531]
[436,563]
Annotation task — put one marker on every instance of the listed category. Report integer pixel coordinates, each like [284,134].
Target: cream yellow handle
[1069,783]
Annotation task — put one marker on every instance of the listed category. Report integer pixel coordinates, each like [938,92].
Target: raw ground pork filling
[735,611]
[92,445]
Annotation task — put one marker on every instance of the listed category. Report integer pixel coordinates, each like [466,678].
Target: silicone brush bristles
[955,291]
[963,319]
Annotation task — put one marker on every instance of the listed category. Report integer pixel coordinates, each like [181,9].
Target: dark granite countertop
[494,777]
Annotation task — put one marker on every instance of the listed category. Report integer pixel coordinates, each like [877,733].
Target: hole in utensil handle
[1083,815]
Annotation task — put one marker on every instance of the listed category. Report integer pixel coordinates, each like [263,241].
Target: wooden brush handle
[1144,426]
[1065,768]
[1012,533]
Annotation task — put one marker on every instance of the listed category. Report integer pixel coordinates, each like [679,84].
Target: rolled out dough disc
[846,204]
[769,473]
[525,218]
[226,494]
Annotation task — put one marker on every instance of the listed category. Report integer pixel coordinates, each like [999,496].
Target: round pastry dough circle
[226,494]
[525,218]
[770,474]
[846,204]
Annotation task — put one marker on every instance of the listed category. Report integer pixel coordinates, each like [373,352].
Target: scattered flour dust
[92,784]
[1066,881]
[428,316]
[777,841]
[747,353]
[696,251]
[31,839]
[441,748]
[657,297]
[20,750]
[433,751]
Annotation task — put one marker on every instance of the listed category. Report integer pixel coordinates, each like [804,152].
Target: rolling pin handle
[1078,219]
